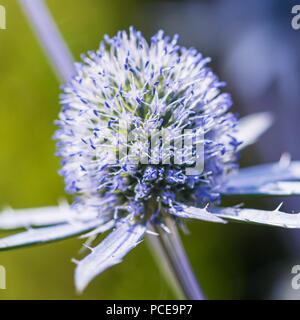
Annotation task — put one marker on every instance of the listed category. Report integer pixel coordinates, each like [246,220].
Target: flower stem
[171,256]
[49,37]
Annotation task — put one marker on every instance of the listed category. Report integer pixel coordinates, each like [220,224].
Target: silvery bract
[124,93]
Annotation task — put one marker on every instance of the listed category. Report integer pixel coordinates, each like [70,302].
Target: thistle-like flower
[135,118]
[145,135]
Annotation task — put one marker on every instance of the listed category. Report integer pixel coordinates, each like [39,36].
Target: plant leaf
[251,127]
[256,176]
[273,218]
[45,216]
[195,213]
[108,253]
[280,188]
[46,234]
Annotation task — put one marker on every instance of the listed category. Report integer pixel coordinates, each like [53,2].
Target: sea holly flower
[123,179]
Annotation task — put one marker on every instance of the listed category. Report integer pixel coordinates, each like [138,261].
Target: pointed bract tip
[279,206]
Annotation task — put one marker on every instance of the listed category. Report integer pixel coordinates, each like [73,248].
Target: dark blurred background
[254,49]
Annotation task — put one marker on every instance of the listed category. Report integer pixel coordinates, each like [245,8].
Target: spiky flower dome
[123,95]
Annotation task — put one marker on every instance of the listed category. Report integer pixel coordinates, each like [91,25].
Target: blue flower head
[122,95]
[145,135]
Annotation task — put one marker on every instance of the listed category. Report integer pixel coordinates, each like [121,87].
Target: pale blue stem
[51,41]
[168,247]
[174,262]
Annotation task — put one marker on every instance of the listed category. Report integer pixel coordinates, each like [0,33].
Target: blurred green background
[231,262]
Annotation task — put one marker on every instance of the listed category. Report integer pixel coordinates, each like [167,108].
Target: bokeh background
[254,49]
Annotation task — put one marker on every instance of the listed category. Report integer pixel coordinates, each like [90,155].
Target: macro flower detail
[119,97]
[145,135]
